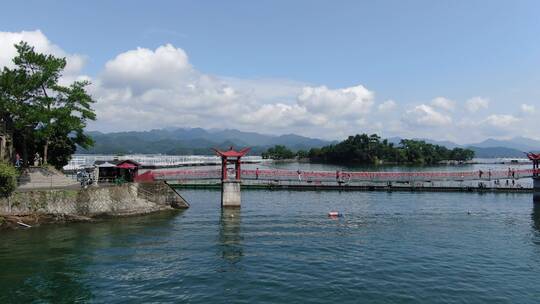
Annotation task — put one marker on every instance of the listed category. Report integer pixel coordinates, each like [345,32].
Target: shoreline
[29,208]
[28,221]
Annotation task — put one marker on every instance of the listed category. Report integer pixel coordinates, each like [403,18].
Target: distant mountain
[395,140]
[518,143]
[445,143]
[491,152]
[199,141]
[489,148]
[192,141]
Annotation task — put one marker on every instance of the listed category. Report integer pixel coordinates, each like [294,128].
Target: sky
[448,70]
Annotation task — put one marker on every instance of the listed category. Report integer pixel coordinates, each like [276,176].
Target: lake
[281,247]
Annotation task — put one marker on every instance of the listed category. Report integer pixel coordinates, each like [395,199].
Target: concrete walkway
[41,178]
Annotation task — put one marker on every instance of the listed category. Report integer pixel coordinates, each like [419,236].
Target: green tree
[278,152]
[370,149]
[302,154]
[44,113]
[8,179]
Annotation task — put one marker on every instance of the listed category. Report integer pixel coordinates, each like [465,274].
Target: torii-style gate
[535,158]
[230,188]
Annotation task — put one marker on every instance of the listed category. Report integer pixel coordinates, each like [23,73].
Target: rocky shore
[25,209]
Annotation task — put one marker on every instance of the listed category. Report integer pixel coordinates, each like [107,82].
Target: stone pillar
[230,194]
[237,168]
[96,176]
[536,189]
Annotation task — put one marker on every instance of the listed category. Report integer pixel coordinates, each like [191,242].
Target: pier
[463,181]
[502,181]
[535,158]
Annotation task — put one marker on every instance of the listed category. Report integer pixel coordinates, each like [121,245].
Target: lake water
[281,247]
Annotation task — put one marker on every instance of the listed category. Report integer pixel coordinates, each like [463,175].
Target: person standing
[36,159]
[17,160]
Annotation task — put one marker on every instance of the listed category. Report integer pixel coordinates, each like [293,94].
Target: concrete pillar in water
[536,189]
[230,194]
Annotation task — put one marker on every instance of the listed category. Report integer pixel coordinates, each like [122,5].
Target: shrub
[8,179]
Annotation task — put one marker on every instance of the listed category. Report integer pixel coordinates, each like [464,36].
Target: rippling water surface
[282,248]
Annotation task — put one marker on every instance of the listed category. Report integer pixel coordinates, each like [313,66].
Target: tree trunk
[45,151]
[24,150]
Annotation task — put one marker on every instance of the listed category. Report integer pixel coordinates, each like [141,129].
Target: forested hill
[195,141]
[371,149]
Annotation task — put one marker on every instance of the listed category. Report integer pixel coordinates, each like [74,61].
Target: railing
[343,176]
[79,161]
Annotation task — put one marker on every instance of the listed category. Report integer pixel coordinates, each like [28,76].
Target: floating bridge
[336,177]
[478,180]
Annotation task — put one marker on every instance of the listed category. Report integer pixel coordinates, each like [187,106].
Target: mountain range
[196,141]
[200,141]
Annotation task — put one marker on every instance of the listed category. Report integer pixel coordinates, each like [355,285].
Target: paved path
[40,178]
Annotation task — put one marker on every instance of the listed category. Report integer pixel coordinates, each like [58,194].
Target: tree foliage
[278,152]
[46,116]
[370,149]
[8,179]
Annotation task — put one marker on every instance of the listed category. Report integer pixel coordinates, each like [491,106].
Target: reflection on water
[230,238]
[282,248]
[45,265]
[50,263]
[535,217]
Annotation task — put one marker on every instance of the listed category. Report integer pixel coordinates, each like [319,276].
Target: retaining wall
[120,200]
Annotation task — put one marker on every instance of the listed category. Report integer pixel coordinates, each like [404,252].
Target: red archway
[535,158]
[231,156]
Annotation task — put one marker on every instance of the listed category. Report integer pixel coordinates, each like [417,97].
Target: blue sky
[410,52]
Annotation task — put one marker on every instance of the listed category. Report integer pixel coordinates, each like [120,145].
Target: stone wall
[120,200]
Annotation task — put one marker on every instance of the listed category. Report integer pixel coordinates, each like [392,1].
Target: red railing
[341,176]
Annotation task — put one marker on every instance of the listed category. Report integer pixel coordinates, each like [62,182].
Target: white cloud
[42,44]
[424,115]
[160,88]
[143,88]
[501,120]
[476,103]
[528,109]
[386,106]
[345,102]
[142,69]
[443,103]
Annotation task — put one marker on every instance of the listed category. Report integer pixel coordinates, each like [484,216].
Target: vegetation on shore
[278,152]
[8,179]
[371,149]
[46,119]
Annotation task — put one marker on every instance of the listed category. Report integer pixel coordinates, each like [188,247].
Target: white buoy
[334,214]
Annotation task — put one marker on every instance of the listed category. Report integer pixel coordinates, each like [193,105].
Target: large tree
[369,149]
[43,112]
